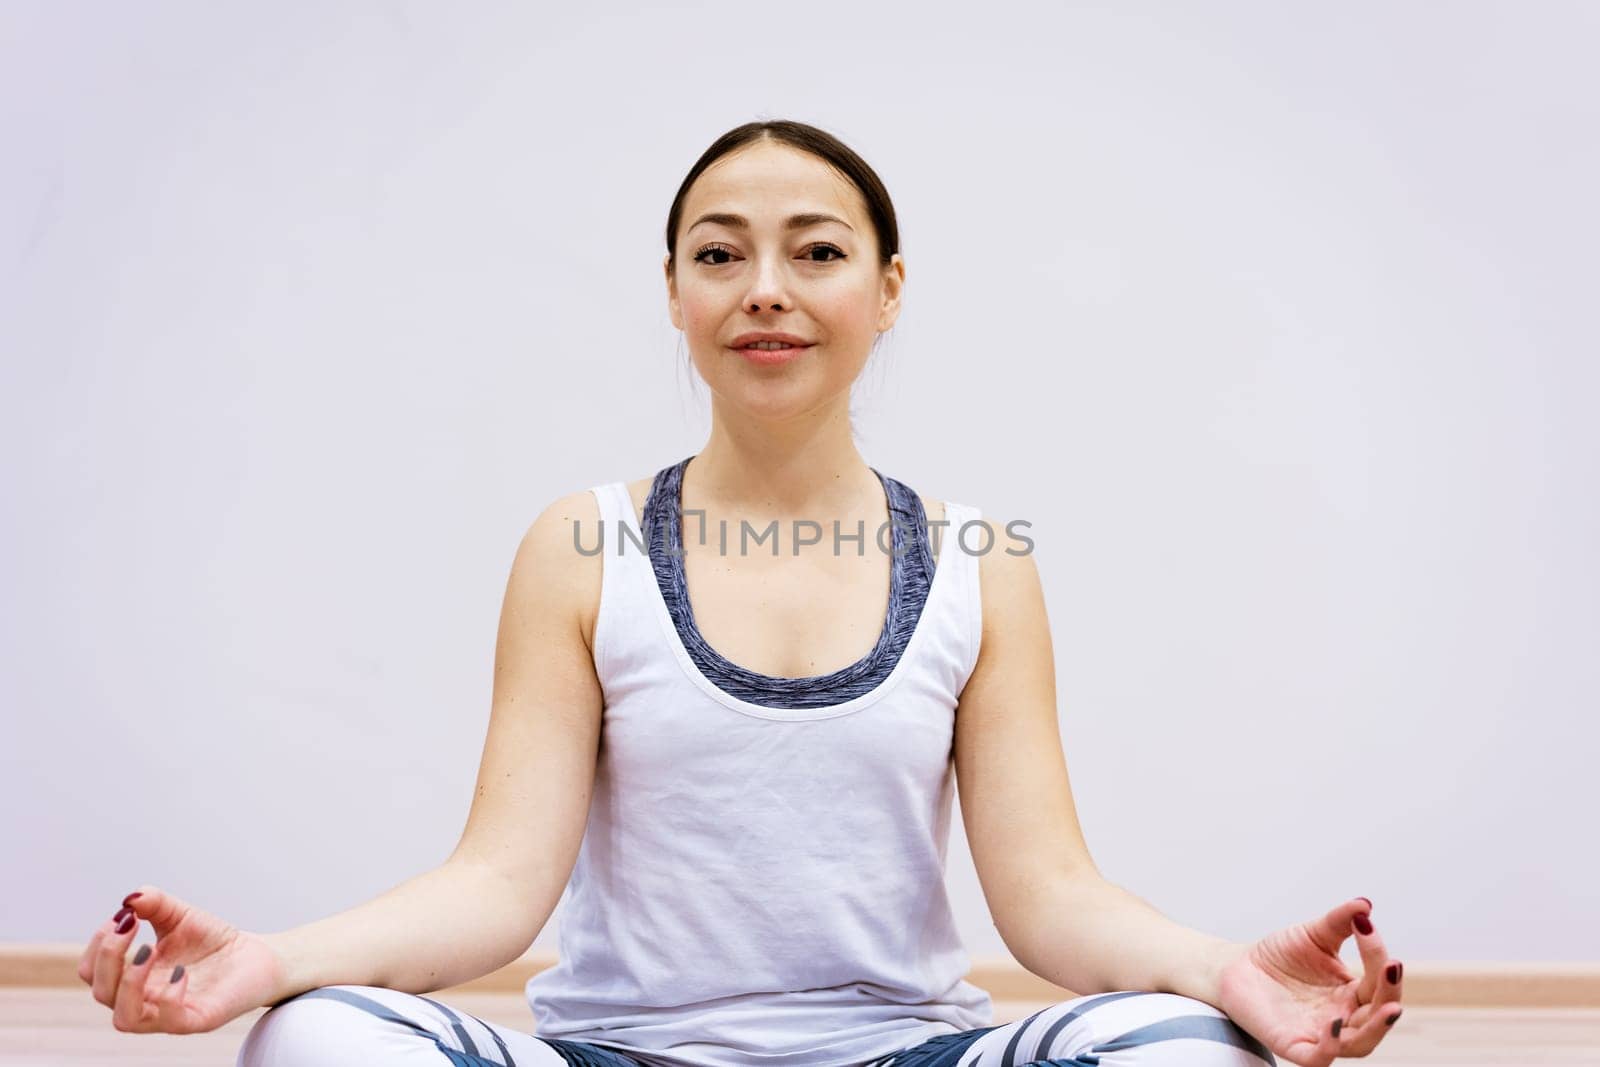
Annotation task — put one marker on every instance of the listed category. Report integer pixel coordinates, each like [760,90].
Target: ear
[894,281]
[673,310]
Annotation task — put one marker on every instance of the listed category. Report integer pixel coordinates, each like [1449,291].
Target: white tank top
[761,885]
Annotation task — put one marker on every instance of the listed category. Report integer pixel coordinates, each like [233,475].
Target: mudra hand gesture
[1293,992]
[201,972]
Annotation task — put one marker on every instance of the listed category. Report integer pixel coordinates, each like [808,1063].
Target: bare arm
[483,906]
[446,926]
[1057,914]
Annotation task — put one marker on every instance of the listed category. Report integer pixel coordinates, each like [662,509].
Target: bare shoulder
[1008,576]
[1005,556]
[551,567]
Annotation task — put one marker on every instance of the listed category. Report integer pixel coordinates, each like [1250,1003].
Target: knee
[310,1030]
[1182,1030]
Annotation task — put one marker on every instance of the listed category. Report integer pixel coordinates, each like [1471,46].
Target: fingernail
[1363,923]
[130,898]
[1369,903]
[123,914]
[1394,974]
[127,924]
[177,973]
[1393,1018]
[1338,1024]
[142,955]
[1400,969]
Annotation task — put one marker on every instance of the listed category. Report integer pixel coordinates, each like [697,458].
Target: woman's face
[819,281]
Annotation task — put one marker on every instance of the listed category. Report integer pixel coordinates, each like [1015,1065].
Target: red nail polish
[177,973]
[1369,903]
[1399,970]
[1338,1024]
[1394,1018]
[127,924]
[1363,923]
[123,914]
[1393,973]
[130,898]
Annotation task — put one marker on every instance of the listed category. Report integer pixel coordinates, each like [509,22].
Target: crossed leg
[344,1024]
[350,1024]
[1133,1029]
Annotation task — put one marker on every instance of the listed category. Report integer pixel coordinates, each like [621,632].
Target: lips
[772,357]
[788,340]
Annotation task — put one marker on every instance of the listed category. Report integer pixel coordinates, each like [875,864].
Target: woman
[756,850]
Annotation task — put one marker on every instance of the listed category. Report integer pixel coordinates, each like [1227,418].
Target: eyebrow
[794,222]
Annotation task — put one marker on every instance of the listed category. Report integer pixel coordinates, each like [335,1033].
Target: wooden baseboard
[1455,985]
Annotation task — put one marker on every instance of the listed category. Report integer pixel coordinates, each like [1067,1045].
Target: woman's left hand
[1293,992]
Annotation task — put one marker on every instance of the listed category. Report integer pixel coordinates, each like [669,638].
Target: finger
[1374,958]
[91,952]
[1319,1049]
[1361,1040]
[170,1014]
[111,956]
[129,1014]
[1330,931]
[1332,1037]
[157,907]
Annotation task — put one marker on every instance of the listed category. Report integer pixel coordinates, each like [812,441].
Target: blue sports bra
[911,573]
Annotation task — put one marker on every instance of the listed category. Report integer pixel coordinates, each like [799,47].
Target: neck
[812,471]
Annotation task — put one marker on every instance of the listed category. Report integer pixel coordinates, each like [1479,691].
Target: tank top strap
[627,615]
[966,545]
[616,511]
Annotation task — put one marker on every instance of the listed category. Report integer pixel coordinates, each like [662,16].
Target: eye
[823,247]
[700,256]
[710,250]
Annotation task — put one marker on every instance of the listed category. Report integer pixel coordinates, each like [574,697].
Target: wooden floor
[66,1028]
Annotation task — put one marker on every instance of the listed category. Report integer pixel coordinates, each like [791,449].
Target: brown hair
[807,138]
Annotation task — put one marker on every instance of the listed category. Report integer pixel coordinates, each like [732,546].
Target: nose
[767,288]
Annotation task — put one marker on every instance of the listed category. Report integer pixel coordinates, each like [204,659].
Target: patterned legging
[375,1027]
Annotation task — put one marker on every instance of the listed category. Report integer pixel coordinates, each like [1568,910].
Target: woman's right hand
[222,972]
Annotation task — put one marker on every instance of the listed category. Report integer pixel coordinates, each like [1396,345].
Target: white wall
[1276,322]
